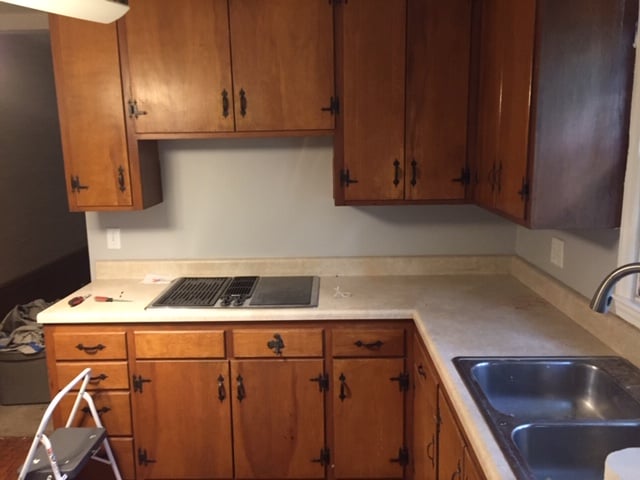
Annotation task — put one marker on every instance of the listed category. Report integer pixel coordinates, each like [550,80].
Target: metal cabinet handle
[243,102]
[241,393]
[121,184]
[98,378]
[90,350]
[369,346]
[396,172]
[225,103]
[343,387]
[222,394]
[414,172]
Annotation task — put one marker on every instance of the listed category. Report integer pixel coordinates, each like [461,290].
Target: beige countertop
[498,310]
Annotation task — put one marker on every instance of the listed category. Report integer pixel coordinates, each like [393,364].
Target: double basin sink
[556,418]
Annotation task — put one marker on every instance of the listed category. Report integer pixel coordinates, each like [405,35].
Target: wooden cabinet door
[282,64]
[278,419]
[183,419]
[91,109]
[368,418]
[179,64]
[425,415]
[439,35]
[370,53]
[450,442]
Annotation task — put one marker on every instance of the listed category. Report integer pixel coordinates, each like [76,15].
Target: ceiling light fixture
[102,11]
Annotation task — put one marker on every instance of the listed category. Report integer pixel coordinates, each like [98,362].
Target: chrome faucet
[602,298]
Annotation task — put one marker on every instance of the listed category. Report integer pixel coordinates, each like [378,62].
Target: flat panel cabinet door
[282,64]
[183,420]
[425,414]
[451,444]
[439,36]
[368,418]
[180,65]
[278,419]
[371,45]
[91,111]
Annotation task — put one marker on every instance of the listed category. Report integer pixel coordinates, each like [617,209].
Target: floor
[20,420]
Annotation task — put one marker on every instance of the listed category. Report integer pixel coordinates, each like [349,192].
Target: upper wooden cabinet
[105,168]
[402,79]
[553,110]
[212,66]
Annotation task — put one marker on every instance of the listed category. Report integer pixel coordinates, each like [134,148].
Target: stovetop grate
[241,286]
[193,292]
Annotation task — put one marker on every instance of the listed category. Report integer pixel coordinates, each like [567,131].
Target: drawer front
[104,375]
[278,342]
[113,407]
[179,344]
[90,345]
[365,342]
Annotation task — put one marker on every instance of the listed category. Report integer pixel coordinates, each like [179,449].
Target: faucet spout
[602,297]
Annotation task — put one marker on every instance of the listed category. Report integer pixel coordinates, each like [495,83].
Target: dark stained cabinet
[106,169]
[553,110]
[403,81]
[425,414]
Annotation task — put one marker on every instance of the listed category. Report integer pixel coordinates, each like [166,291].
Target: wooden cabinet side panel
[372,71]
[451,443]
[91,110]
[278,422]
[368,423]
[179,63]
[425,415]
[283,61]
[438,50]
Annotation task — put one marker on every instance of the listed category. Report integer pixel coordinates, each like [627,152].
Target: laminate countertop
[495,313]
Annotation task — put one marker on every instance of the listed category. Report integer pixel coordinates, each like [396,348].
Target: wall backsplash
[273,198]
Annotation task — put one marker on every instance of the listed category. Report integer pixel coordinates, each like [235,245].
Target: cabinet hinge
[323,381]
[138,381]
[143,459]
[334,106]
[134,112]
[325,457]
[76,186]
[464,178]
[403,381]
[524,190]
[403,457]
[345,178]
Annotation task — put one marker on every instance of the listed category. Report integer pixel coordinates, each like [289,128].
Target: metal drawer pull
[276,345]
[100,410]
[90,350]
[241,393]
[370,346]
[98,378]
[421,371]
[221,392]
[343,387]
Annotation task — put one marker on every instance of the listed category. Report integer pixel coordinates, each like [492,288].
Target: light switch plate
[113,238]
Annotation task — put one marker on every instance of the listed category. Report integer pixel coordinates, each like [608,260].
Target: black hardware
[98,378]
[345,179]
[121,179]
[324,459]
[369,346]
[414,172]
[323,381]
[133,109]
[499,175]
[241,392]
[524,190]
[143,459]
[458,472]
[396,172]
[337,2]
[492,177]
[334,106]
[403,381]
[403,457]
[225,103]
[138,381]
[243,102]
[464,178]
[343,387]
[99,411]
[421,371]
[90,350]
[75,184]
[276,345]
[430,447]
[221,392]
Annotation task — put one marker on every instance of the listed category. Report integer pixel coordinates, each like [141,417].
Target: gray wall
[36,225]
[273,197]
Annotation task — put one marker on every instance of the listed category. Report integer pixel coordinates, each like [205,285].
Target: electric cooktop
[240,292]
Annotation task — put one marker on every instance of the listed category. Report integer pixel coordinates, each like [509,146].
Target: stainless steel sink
[553,390]
[556,417]
[572,452]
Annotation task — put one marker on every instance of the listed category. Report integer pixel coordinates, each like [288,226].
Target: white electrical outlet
[557,252]
[113,238]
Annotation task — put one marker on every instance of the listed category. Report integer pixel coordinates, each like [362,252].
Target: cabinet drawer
[90,345]
[104,375]
[356,342]
[278,342]
[179,344]
[113,407]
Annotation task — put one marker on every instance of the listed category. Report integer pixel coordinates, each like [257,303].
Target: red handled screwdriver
[78,300]
[110,299]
